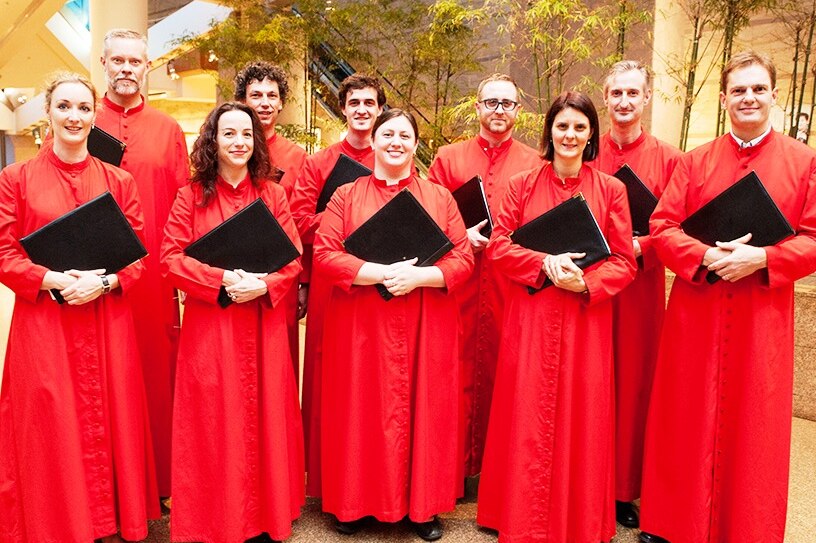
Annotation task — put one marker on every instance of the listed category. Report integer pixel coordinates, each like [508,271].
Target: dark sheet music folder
[472,203]
[345,170]
[400,230]
[743,207]
[642,202]
[251,240]
[105,147]
[569,227]
[94,235]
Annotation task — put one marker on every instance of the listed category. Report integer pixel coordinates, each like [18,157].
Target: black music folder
[94,235]
[743,207]
[105,147]
[642,202]
[345,170]
[569,227]
[400,230]
[472,203]
[251,240]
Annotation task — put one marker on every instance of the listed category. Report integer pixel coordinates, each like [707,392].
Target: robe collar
[401,185]
[240,188]
[113,106]
[353,152]
[570,182]
[752,143]
[272,139]
[493,152]
[65,166]
[628,146]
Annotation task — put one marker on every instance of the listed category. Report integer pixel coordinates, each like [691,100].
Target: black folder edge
[487,229]
[323,197]
[106,137]
[224,299]
[711,276]
[635,178]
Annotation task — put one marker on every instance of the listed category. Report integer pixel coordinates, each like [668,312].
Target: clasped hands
[244,286]
[400,278]
[563,272]
[733,260]
[77,287]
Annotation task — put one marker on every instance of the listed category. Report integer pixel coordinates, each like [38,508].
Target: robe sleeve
[457,264]
[17,271]
[304,199]
[132,208]
[279,283]
[185,273]
[667,164]
[182,159]
[512,260]
[438,172]
[329,254]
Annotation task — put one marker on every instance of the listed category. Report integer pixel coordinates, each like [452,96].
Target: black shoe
[348,528]
[626,514]
[429,531]
[646,537]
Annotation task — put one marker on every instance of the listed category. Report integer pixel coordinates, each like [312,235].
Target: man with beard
[264,87]
[495,156]
[627,92]
[156,156]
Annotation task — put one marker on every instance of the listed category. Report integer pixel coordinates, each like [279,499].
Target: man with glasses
[495,156]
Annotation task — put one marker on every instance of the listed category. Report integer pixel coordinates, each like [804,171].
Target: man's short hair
[626,66]
[258,71]
[360,81]
[744,59]
[122,33]
[494,77]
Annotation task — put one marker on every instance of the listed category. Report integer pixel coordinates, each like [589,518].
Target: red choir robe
[237,435]
[307,189]
[481,298]
[288,157]
[390,391]
[156,156]
[548,466]
[719,425]
[638,313]
[76,458]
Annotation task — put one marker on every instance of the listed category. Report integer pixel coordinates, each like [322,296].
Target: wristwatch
[106,287]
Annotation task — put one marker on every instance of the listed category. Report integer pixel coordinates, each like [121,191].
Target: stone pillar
[107,15]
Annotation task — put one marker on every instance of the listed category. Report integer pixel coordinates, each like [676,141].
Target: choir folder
[94,235]
[642,202]
[569,227]
[345,170]
[251,240]
[472,203]
[105,147]
[743,207]
[400,230]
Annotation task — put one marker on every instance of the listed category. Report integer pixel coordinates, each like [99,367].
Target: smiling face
[125,63]
[748,98]
[570,133]
[361,110]
[71,113]
[394,145]
[497,122]
[264,98]
[625,97]
[235,140]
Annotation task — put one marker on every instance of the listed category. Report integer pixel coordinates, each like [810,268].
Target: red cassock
[391,371]
[237,436]
[638,313]
[481,298]
[288,157]
[548,465]
[316,170]
[719,425]
[76,458]
[156,156]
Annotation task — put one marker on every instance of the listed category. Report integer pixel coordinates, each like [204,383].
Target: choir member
[495,156]
[75,451]
[390,369]
[362,99]
[719,426]
[548,467]
[237,436]
[638,309]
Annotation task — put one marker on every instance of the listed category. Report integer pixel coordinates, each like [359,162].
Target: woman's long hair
[204,158]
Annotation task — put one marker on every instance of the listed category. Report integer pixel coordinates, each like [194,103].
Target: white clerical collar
[745,144]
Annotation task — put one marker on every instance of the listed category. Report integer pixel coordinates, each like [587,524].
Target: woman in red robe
[390,369]
[75,449]
[237,437]
[549,460]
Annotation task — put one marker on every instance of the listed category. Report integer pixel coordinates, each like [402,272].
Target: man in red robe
[719,425]
[639,308]
[362,98]
[263,87]
[495,156]
[156,156]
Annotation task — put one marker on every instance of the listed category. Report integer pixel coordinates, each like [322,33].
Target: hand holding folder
[472,203]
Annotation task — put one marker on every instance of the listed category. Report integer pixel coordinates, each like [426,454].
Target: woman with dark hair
[390,368]
[548,465]
[237,438]
[76,459]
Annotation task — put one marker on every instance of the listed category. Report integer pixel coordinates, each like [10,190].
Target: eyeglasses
[493,104]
